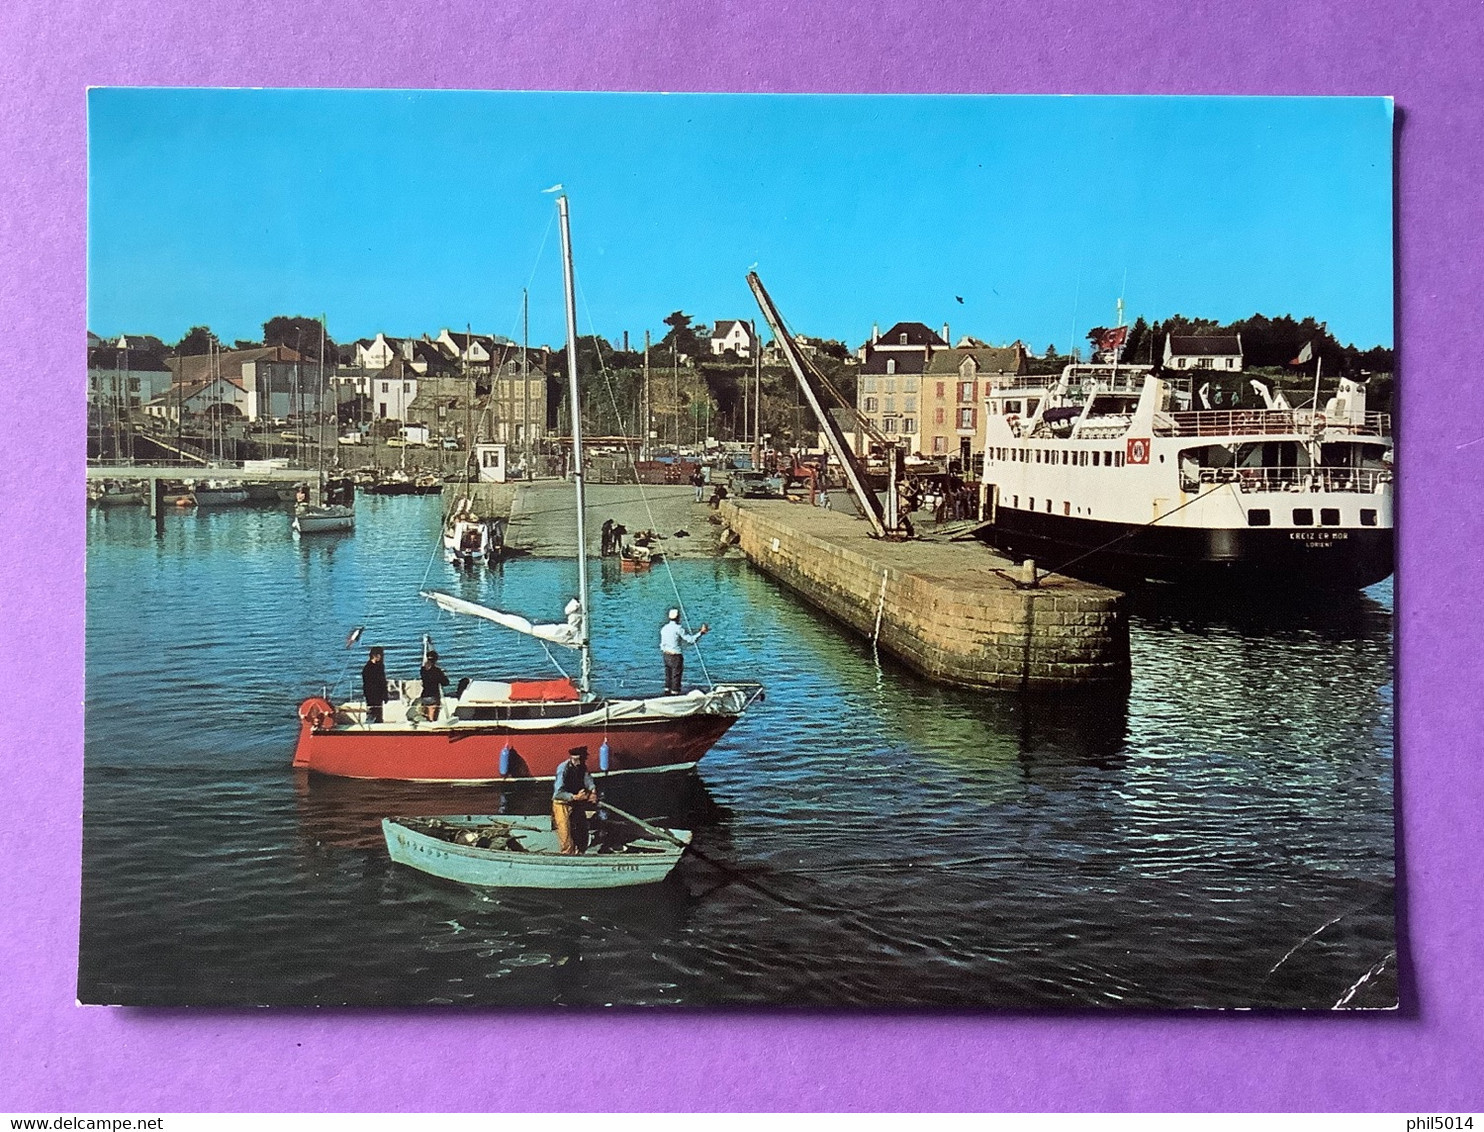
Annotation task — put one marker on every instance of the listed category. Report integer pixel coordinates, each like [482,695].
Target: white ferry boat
[1119,472]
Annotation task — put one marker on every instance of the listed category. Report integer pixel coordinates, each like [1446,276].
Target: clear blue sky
[410,211]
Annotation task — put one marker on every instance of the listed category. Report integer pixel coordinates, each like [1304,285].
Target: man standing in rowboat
[572,790]
[672,639]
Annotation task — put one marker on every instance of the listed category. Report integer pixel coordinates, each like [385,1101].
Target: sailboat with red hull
[502,730]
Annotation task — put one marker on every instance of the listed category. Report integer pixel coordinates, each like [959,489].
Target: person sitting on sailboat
[672,639]
[434,681]
[572,791]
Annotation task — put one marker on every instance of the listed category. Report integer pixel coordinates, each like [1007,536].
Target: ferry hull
[1318,557]
[472,755]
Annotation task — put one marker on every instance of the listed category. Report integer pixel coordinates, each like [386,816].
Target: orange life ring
[318,712]
[1319,423]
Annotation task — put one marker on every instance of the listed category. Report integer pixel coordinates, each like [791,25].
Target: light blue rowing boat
[505,852]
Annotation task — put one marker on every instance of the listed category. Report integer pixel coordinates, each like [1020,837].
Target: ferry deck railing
[1266,422]
[1363,481]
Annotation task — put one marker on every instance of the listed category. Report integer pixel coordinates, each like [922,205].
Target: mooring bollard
[1028,572]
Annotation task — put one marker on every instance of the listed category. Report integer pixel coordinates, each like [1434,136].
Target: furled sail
[568,632]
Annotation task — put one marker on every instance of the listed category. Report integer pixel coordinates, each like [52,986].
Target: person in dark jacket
[373,684]
[434,681]
[572,792]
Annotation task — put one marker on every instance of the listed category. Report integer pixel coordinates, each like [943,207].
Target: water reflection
[876,839]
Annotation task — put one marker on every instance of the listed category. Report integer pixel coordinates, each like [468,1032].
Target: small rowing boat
[503,852]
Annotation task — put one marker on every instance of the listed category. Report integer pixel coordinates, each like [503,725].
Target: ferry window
[1066,456]
[1066,508]
[1095,456]
[1367,517]
[1303,517]
[1012,408]
[1259,517]
[1015,501]
[1048,507]
[1329,516]
[1032,503]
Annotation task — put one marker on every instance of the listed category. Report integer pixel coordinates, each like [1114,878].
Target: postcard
[847,551]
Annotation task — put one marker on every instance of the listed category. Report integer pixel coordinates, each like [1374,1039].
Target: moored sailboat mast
[576,403]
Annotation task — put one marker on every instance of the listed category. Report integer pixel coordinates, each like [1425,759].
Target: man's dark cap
[579,751]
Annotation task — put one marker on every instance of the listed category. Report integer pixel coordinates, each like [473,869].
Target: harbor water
[1219,834]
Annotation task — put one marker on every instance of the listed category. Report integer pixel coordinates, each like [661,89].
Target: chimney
[875,334]
[625,341]
[947,341]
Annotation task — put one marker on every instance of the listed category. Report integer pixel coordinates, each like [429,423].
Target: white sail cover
[568,632]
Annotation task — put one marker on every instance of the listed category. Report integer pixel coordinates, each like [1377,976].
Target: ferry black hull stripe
[1316,556]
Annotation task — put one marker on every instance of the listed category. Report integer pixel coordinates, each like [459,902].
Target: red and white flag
[1306,355]
[1111,339]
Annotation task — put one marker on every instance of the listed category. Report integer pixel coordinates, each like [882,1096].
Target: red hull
[472,755]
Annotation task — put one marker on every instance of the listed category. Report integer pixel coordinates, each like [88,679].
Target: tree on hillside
[245,344]
[682,337]
[197,340]
[297,333]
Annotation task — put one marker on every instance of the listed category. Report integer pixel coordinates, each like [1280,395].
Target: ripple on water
[879,840]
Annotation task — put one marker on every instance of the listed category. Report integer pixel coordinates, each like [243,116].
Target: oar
[666,835]
[663,834]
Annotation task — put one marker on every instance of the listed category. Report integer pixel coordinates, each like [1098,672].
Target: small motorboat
[505,852]
[218,493]
[468,539]
[335,511]
[114,493]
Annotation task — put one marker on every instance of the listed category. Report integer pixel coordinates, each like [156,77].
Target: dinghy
[521,852]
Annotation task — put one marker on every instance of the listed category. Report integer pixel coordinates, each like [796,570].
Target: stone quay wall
[950,611]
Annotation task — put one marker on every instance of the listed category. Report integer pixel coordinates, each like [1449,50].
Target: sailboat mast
[319,485]
[574,397]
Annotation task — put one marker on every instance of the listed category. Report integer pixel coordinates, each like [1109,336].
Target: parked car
[451,444]
[396,442]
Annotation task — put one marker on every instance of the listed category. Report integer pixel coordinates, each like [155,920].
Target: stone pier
[955,612]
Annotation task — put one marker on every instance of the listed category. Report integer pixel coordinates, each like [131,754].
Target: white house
[125,379]
[731,334]
[473,350]
[378,353]
[1218,352]
[420,354]
[392,391]
[212,396]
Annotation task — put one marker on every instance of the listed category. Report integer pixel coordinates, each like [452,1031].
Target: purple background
[57,1056]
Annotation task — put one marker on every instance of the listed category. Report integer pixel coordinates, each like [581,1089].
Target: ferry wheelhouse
[1122,473]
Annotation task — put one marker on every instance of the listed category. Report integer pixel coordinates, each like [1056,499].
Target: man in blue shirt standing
[672,639]
[571,793]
